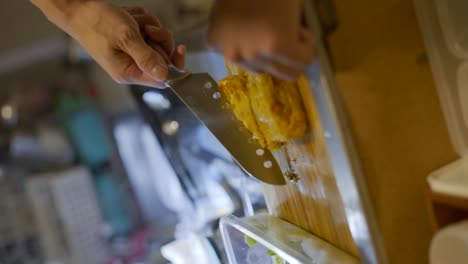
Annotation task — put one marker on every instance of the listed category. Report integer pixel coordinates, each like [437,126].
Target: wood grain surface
[314,202]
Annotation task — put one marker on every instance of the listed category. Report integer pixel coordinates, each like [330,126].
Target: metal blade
[201,95]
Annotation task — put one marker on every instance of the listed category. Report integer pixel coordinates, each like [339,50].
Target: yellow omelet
[270,108]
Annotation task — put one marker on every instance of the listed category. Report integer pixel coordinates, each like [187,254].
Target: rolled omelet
[270,108]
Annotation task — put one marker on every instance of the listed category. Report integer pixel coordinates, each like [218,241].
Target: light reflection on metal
[7,112]
[8,115]
[170,127]
[156,100]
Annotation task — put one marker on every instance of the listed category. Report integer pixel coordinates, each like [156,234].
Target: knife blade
[200,93]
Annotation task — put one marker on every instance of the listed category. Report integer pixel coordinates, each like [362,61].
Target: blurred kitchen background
[95,172]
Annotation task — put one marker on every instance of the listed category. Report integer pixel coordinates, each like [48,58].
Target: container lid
[451,179]
[442,24]
[454,22]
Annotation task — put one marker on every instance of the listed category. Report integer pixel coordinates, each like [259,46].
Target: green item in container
[271,252]
[277,260]
[249,241]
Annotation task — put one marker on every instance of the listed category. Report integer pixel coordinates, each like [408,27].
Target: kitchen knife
[201,95]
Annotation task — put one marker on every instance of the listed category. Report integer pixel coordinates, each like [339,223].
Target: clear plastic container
[454,20]
[451,179]
[462,85]
[270,240]
[449,70]
[444,24]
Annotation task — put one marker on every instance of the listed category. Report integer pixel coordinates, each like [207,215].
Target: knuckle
[126,35]
[147,61]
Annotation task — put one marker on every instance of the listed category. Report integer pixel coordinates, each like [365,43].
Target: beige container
[450,245]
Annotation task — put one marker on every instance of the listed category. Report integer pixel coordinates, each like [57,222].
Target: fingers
[147,80]
[286,61]
[254,61]
[148,60]
[156,47]
[152,30]
[178,57]
[134,9]
[141,78]
[144,20]
[142,17]
[154,56]
[162,37]
[281,71]
[252,66]
[296,54]
[126,71]
[260,64]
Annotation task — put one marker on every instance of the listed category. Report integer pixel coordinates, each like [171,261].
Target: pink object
[138,242]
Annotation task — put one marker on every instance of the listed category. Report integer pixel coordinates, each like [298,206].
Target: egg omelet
[269,107]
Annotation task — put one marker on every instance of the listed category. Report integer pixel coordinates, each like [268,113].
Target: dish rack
[67,216]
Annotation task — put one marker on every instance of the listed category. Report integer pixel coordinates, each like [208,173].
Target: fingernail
[182,49]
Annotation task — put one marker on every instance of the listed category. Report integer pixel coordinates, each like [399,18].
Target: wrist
[60,12]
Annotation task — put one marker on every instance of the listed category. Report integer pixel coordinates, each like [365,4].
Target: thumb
[147,59]
[178,57]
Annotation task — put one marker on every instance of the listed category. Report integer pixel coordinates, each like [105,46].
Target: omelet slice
[235,90]
[269,107]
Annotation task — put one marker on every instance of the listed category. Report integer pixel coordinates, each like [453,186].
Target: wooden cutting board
[314,202]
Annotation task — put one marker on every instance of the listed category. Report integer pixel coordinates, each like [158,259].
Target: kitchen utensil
[201,95]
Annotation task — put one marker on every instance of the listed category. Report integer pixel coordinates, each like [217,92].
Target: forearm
[60,12]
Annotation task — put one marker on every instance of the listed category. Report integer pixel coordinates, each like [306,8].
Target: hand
[128,43]
[262,35]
